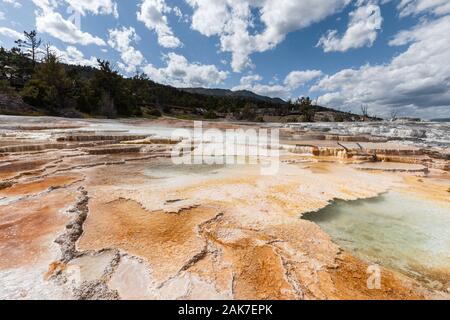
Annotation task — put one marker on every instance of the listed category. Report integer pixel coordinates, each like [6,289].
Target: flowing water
[396,230]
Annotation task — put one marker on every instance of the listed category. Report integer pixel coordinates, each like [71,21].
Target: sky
[391,55]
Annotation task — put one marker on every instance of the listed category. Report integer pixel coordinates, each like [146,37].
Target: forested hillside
[31,75]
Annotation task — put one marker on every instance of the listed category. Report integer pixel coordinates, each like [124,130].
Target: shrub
[6,88]
[210,114]
[154,113]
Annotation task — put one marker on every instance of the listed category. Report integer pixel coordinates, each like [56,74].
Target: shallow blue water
[399,231]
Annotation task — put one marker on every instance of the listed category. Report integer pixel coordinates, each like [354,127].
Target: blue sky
[392,55]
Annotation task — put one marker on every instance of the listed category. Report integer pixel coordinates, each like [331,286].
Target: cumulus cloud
[73,56]
[297,78]
[54,24]
[120,40]
[362,29]
[232,20]
[46,5]
[179,72]
[153,14]
[417,80]
[249,79]
[48,20]
[94,6]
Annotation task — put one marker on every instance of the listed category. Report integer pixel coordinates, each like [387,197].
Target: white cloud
[46,5]
[10,33]
[297,78]
[252,83]
[417,80]
[179,72]
[181,16]
[73,56]
[414,7]
[293,81]
[153,14]
[51,22]
[14,3]
[418,32]
[362,29]
[94,6]
[120,40]
[251,79]
[54,24]
[231,20]
[2,15]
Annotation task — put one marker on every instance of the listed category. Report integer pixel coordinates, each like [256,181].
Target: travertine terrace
[97,210]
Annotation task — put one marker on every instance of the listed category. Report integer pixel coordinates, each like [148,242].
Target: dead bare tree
[394,114]
[365,111]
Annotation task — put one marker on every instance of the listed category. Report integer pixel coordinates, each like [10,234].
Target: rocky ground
[97,210]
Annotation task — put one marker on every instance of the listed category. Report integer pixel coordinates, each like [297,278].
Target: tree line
[37,75]
[34,73]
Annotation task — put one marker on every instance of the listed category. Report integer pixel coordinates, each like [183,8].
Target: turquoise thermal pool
[399,231]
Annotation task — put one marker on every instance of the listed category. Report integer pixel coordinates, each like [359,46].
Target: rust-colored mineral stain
[40,185]
[166,241]
[54,268]
[350,283]
[257,269]
[259,274]
[215,271]
[245,253]
[28,227]
[14,168]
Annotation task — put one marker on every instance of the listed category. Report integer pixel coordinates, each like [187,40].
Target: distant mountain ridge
[234,94]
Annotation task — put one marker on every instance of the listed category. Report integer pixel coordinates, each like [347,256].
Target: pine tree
[31,44]
[49,87]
